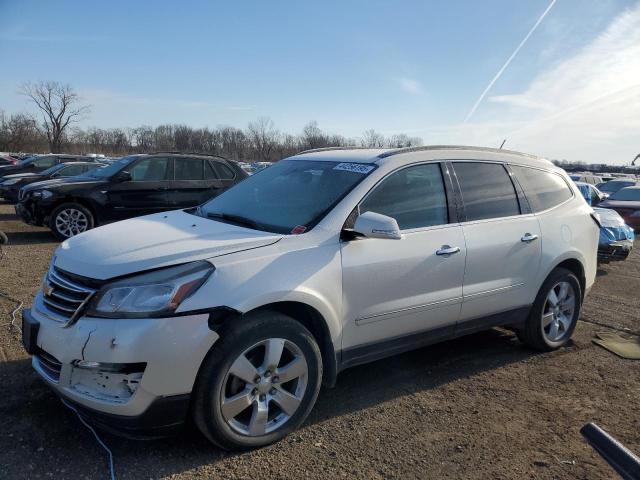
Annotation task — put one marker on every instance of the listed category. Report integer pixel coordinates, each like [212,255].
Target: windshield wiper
[237,219]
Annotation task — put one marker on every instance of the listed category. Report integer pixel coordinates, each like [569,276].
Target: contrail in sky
[506,64]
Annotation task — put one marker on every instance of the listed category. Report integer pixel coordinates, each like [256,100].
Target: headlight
[11,181]
[43,194]
[156,293]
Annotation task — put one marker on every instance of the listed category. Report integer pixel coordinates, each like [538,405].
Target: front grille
[64,296]
[49,364]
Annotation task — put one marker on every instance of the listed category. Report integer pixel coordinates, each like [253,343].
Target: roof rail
[186,153]
[327,149]
[398,151]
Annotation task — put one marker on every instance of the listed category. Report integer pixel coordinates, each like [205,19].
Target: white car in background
[237,311]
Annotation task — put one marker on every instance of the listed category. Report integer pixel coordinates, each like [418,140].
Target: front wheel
[69,220]
[259,382]
[555,312]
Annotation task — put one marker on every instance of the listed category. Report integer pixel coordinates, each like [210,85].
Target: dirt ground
[482,406]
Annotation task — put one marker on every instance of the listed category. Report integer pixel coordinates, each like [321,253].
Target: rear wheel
[259,382]
[555,312]
[69,220]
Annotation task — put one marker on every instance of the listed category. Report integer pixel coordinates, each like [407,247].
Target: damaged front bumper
[120,373]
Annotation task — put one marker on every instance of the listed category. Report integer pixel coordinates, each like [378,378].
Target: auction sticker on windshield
[354,167]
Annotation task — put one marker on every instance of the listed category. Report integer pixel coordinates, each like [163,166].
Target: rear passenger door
[189,186]
[502,237]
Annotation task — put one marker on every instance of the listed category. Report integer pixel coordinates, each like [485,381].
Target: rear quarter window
[543,189]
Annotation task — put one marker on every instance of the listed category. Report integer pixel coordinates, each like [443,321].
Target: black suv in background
[40,163]
[132,186]
[10,185]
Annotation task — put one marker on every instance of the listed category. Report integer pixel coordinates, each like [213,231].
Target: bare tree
[372,139]
[264,137]
[60,106]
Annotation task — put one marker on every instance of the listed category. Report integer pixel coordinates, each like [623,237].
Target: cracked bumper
[172,350]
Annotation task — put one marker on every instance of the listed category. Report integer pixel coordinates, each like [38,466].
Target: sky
[571,92]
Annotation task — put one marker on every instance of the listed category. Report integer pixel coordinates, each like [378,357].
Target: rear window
[487,190]
[223,172]
[543,189]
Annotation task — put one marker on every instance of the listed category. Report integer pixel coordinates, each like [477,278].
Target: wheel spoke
[273,353]
[258,422]
[547,319]
[564,290]
[232,406]
[552,297]
[553,331]
[291,370]
[565,322]
[287,402]
[244,369]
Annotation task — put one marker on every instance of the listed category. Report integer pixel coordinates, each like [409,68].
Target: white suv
[234,313]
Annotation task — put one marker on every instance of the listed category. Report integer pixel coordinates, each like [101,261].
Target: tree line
[60,110]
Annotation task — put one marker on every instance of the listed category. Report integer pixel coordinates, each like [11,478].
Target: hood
[66,181]
[153,241]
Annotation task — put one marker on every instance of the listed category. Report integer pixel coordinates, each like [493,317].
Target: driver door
[394,289]
[145,193]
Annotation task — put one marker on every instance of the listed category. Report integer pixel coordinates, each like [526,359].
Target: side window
[487,190]
[414,196]
[223,172]
[188,169]
[543,189]
[150,170]
[45,162]
[71,170]
[209,172]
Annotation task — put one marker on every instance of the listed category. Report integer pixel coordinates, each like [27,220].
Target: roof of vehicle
[375,155]
[187,154]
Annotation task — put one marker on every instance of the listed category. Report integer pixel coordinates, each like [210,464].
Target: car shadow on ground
[7,217]
[34,413]
[30,238]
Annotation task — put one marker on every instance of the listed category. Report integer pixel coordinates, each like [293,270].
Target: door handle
[447,250]
[529,238]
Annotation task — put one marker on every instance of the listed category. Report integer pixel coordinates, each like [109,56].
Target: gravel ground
[482,406]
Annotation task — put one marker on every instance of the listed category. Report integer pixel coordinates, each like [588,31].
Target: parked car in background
[616,237]
[613,186]
[586,178]
[591,194]
[133,186]
[40,163]
[234,313]
[626,202]
[10,185]
[7,160]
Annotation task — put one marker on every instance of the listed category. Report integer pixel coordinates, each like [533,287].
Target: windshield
[614,186]
[632,194]
[289,197]
[112,169]
[28,160]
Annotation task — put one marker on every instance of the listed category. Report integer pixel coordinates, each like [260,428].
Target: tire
[247,340]
[77,218]
[550,326]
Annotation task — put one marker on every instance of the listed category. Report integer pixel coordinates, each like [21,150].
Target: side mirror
[376,225]
[123,176]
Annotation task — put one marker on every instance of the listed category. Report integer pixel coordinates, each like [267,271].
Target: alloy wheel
[70,222]
[557,314]
[264,387]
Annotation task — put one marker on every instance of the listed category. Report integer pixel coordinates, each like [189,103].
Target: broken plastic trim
[125,368]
